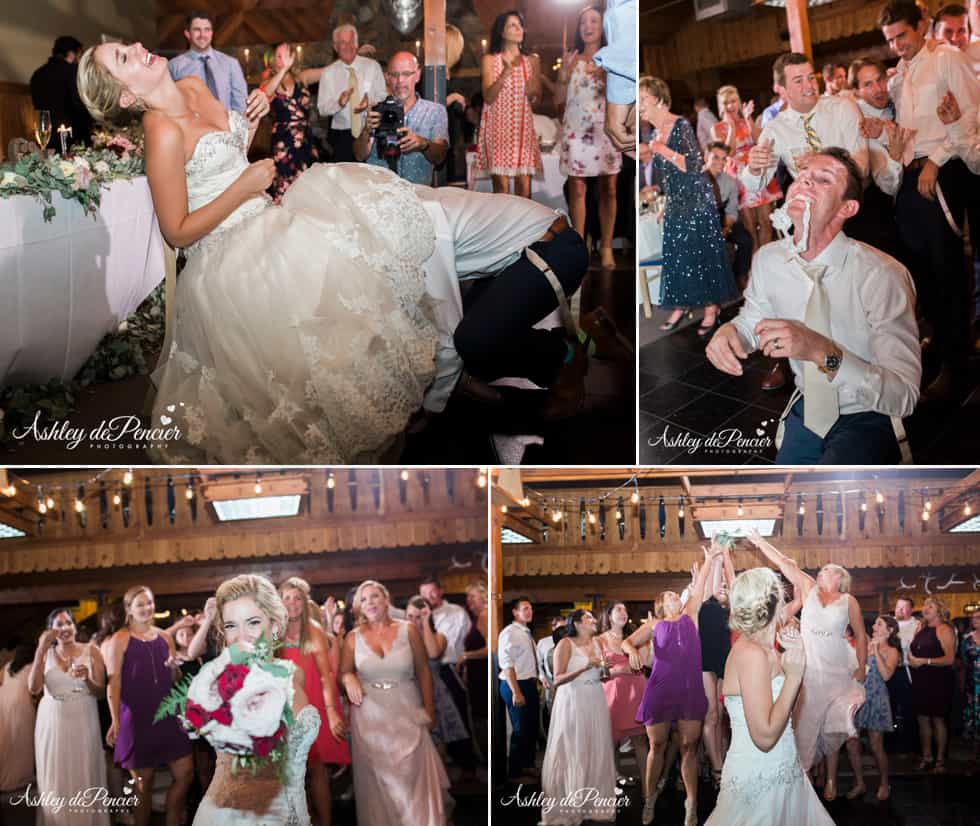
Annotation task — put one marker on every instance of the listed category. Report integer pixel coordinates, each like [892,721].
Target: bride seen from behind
[302,331]
[763,782]
[248,609]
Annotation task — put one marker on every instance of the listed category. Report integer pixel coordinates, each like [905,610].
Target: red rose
[231,680]
[196,714]
[263,746]
[222,714]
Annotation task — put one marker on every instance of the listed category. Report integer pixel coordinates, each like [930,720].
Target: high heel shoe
[649,804]
[830,791]
[707,329]
[856,792]
[669,325]
[690,812]
[883,793]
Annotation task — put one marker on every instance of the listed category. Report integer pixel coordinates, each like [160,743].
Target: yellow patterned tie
[356,118]
[811,134]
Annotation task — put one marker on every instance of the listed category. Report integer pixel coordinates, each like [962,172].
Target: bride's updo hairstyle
[755,597]
[258,588]
[100,91]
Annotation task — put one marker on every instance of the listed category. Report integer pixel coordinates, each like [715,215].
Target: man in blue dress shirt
[222,73]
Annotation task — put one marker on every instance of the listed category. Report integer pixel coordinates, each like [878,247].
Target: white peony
[10,179]
[257,707]
[101,167]
[67,169]
[227,738]
[204,687]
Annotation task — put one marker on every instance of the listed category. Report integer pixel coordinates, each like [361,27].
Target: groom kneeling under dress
[844,314]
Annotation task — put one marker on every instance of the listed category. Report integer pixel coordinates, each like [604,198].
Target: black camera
[386,135]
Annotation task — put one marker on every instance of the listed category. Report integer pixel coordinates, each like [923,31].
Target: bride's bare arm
[168,184]
[766,720]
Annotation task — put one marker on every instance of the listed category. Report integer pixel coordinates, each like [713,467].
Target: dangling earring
[275,635]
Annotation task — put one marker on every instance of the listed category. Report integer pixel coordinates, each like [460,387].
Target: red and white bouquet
[241,702]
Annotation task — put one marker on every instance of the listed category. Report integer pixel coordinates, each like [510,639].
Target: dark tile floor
[680,393]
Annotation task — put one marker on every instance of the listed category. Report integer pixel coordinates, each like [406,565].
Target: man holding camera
[421,142]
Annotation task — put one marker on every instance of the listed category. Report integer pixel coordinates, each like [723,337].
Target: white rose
[204,687]
[67,169]
[227,738]
[257,707]
[82,162]
[9,179]
[101,167]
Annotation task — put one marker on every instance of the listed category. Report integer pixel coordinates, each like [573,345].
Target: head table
[65,284]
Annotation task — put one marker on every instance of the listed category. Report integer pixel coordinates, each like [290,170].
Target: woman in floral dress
[586,151]
[508,145]
[290,102]
[970,653]
[739,133]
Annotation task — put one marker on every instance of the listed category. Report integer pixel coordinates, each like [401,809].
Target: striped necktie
[811,134]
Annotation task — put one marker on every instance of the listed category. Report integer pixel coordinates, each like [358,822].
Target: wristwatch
[831,362]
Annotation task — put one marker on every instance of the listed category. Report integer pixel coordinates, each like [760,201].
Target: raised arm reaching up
[801,581]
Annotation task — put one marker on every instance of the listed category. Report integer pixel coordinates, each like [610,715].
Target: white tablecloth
[649,237]
[547,190]
[64,284]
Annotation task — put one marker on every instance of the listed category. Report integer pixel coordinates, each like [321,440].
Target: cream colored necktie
[356,118]
[820,406]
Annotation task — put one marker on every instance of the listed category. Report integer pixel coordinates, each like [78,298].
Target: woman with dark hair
[141,670]
[715,639]
[67,749]
[624,689]
[696,270]
[884,656]
[508,145]
[579,754]
[293,149]
[970,653]
[586,151]
[931,658]
[674,692]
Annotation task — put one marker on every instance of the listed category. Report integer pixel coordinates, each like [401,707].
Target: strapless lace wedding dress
[263,799]
[764,788]
[302,332]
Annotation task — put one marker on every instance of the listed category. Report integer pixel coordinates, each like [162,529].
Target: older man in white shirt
[348,88]
[517,655]
[843,313]
[935,184]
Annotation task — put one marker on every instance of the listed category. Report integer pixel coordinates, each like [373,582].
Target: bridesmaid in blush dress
[625,688]
[140,677]
[674,692]
[399,779]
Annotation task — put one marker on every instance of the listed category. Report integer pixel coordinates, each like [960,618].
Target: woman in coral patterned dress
[508,146]
[739,133]
[288,91]
[586,151]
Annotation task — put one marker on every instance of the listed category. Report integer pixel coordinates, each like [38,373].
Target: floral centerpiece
[79,176]
[241,703]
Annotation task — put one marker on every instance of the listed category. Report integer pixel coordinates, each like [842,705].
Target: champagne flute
[74,666]
[42,128]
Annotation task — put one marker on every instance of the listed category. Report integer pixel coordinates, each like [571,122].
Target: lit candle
[63,132]
[484,44]
[246,59]
[299,54]
[418,47]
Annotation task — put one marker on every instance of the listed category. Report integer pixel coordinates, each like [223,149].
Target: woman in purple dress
[140,666]
[675,691]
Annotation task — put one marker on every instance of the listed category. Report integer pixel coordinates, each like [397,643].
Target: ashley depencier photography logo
[727,440]
[94,800]
[117,433]
[588,796]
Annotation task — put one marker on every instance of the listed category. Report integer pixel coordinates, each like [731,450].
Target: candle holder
[64,132]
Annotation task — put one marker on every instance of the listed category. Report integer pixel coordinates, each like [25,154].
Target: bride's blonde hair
[100,91]
[754,599]
[259,589]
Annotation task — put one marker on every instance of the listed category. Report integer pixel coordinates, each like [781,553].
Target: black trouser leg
[495,337]
[739,236]
[342,143]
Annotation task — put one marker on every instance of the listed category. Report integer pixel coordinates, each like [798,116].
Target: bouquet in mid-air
[241,703]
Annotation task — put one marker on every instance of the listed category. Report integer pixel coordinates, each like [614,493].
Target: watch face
[832,363]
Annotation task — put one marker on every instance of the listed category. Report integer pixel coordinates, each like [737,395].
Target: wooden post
[799,27]
[434,25]
[496,575]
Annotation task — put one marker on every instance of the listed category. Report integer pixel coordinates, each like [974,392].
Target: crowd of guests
[94,726]
[754,691]
[886,156]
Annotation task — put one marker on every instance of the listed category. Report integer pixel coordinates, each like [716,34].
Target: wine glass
[74,663]
[42,128]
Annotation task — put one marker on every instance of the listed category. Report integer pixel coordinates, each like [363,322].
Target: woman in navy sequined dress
[696,270]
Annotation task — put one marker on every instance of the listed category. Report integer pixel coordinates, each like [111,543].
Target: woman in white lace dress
[833,688]
[399,779]
[763,782]
[302,333]
[248,608]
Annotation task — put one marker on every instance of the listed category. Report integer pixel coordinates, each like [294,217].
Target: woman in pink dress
[586,151]
[508,145]
[833,689]
[625,688]
[739,133]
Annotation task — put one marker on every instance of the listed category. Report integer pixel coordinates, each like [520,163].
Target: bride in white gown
[762,781]
[250,608]
[302,333]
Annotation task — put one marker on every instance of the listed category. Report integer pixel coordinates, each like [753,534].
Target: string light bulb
[864,507]
[481,480]
[128,477]
[966,509]
[556,516]
[50,503]
[591,518]
[503,509]
[404,475]
[741,510]
[802,510]
[331,482]
[619,514]
[925,515]
[258,485]
[116,499]
[680,512]
[42,508]
[79,506]
[635,498]
[879,497]
[189,493]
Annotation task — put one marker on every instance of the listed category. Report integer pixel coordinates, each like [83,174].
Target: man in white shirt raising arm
[844,314]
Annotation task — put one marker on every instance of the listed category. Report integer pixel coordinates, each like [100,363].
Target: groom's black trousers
[495,337]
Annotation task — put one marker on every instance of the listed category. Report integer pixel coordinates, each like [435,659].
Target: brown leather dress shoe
[610,343]
[775,378]
[477,390]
